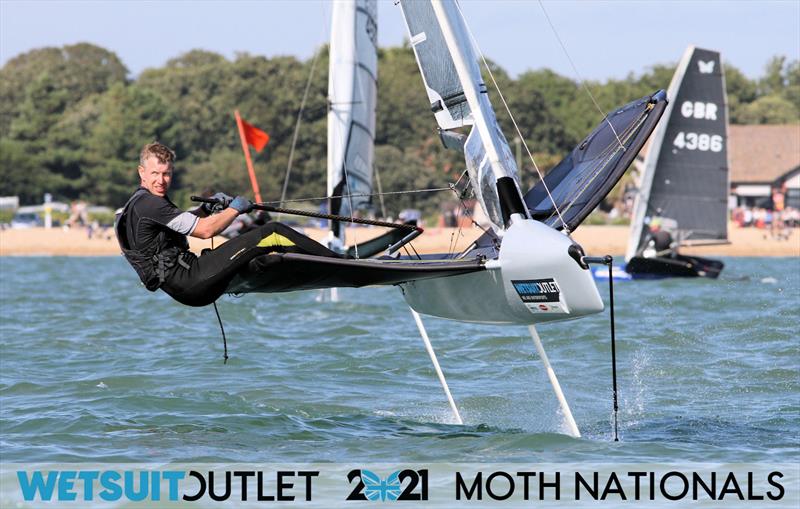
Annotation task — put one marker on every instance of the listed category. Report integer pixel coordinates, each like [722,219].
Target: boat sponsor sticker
[539,295]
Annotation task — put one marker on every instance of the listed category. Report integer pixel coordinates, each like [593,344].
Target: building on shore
[764,158]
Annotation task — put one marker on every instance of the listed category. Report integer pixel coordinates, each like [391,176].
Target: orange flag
[254,136]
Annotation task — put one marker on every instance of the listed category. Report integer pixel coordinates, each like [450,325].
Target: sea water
[94,368]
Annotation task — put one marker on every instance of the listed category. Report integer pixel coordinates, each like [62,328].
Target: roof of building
[763,153]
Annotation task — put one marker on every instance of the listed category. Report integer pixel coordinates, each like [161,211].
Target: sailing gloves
[221,201]
[241,204]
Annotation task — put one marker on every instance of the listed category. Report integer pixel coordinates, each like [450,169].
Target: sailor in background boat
[152,231]
[660,242]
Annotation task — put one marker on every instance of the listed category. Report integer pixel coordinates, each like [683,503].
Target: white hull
[532,255]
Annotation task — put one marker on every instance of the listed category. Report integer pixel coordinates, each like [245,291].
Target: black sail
[685,181]
[581,181]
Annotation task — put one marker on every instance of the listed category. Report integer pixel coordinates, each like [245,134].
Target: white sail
[352,95]
[452,78]
[438,71]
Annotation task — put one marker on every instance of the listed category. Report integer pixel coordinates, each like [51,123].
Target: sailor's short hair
[161,152]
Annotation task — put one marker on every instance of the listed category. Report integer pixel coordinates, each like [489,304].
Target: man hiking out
[152,232]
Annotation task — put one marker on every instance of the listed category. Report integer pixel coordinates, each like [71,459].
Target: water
[95,368]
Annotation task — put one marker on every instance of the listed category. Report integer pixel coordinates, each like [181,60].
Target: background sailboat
[352,96]
[683,194]
[352,100]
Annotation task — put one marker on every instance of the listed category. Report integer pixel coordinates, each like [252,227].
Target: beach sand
[596,240]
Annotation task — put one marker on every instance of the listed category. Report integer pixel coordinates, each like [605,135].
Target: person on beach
[152,231]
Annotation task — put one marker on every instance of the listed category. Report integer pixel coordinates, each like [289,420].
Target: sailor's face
[156,176]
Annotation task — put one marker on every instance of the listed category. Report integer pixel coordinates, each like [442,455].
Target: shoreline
[596,240]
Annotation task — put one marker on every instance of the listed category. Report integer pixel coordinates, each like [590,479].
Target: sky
[603,39]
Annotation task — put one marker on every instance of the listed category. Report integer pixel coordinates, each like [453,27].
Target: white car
[26,220]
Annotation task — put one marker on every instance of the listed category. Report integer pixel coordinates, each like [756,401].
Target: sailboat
[683,194]
[352,99]
[525,269]
[527,247]
[352,95]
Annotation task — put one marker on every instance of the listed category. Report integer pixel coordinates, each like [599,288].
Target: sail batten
[436,66]
[685,179]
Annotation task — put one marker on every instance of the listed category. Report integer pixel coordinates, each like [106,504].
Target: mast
[464,59]
[452,79]
[470,91]
[460,47]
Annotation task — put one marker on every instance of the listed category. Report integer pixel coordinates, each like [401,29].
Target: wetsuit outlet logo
[537,290]
[172,485]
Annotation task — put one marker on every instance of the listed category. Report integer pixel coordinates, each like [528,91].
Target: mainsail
[352,93]
[453,81]
[685,179]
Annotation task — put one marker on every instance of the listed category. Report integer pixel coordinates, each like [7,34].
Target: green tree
[770,109]
[544,106]
[77,71]
[741,92]
[403,117]
[18,175]
[792,78]
[773,80]
[128,117]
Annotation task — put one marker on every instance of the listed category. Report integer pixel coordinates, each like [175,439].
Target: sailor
[660,243]
[152,231]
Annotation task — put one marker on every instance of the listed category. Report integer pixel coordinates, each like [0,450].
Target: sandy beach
[596,240]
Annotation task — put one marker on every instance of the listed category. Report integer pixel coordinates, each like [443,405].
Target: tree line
[72,122]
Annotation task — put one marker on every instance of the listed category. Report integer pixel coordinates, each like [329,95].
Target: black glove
[222,201]
[242,204]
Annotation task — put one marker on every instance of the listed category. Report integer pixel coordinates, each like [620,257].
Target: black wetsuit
[152,233]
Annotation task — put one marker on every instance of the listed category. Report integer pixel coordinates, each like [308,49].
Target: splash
[634,404]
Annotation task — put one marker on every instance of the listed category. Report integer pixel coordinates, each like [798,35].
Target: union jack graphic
[376,488]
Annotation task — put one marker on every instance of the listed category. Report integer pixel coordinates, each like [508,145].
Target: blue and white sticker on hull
[617,272]
[540,295]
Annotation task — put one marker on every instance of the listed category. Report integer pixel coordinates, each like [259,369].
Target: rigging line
[221,328]
[350,201]
[453,239]
[578,74]
[454,187]
[297,125]
[380,190]
[513,121]
[604,158]
[361,195]
[224,339]
[411,245]
[469,213]
[461,177]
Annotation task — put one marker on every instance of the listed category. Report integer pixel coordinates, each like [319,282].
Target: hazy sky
[605,39]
